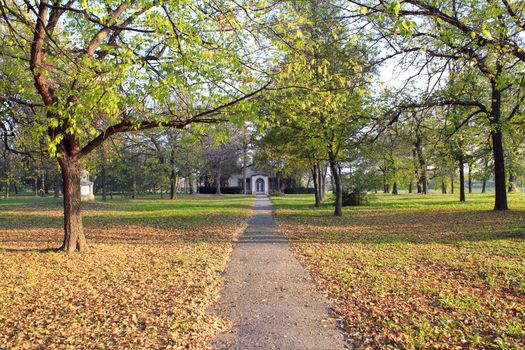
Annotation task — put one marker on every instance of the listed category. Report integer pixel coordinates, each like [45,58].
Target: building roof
[251,170]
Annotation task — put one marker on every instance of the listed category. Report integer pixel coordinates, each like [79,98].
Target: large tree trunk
[497,149]
[410,187]
[443,186]
[316,186]
[385,184]
[499,172]
[104,183]
[512,183]
[424,184]
[422,181]
[338,211]
[43,184]
[461,179]
[190,184]
[394,188]
[322,185]
[470,178]
[320,181]
[134,194]
[485,171]
[74,238]
[318,171]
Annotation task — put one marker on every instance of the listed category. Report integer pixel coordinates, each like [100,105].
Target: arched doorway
[259,186]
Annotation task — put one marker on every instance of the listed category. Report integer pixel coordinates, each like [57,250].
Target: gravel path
[269,297]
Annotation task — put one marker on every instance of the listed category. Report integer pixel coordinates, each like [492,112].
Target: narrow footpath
[269,297]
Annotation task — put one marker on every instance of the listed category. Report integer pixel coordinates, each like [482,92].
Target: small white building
[257,181]
[86,187]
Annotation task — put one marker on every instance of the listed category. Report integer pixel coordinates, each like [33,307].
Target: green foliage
[138,63]
[355,198]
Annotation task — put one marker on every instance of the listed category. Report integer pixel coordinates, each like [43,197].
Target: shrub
[224,190]
[355,198]
[299,190]
[277,194]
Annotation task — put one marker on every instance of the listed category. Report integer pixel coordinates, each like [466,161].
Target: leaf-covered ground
[152,270]
[418,272]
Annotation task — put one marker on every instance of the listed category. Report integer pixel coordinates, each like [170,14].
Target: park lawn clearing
[152,270]
[417,272]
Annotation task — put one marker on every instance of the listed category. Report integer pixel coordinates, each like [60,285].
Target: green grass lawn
[416,271]
[152,270]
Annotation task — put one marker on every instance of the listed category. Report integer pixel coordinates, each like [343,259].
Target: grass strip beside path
[417,272]
[152,270]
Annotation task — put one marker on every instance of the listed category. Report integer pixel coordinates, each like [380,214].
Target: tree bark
[497,149]
[322,185]
[394,188]
[385,184]
[45,187]
[338,210]
[452,184]
[410,187]
[320,181]
[424,184]
[318,170]
[470,178]
[422,171]
[43,183]
[461,168]
[173,186]
[485,171]
[134,194]
[512,183]
[443,186]
[316,186]
[190,184]
[104,183]
[74,238]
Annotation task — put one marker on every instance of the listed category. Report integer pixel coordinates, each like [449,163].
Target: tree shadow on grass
[412,239]
[382,227]
[124,236]
[28,250]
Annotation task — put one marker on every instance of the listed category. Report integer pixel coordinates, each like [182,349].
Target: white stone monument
[86,187]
